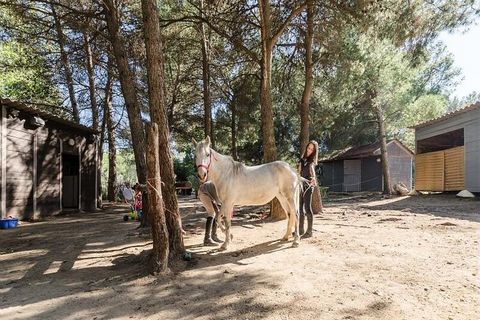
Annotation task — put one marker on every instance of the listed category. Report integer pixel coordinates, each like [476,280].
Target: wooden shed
[448,152]
[48,164]
[360,168]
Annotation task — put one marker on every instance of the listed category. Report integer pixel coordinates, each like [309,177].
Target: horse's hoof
[222,247]
[285,239]
[295,244]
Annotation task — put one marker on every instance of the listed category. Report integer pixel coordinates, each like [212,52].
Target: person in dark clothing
[208,196]
[306,169]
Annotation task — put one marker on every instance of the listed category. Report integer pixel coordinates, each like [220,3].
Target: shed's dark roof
[367,150]
[448,115]
[34,110]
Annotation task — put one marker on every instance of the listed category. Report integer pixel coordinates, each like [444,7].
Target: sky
[465,47]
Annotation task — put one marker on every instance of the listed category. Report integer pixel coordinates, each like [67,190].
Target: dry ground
[399,258]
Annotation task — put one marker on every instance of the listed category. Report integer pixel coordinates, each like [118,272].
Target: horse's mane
[237,167]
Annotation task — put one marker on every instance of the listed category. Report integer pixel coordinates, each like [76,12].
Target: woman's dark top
[306,169]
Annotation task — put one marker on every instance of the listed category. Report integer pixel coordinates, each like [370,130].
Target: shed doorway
[70,181]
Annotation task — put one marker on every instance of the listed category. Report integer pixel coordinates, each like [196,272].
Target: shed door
[70,181]
[352,175]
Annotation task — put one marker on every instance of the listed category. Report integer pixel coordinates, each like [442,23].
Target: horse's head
[203,158]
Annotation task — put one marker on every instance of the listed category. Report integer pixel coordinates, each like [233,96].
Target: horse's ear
[194,143]
[207,139]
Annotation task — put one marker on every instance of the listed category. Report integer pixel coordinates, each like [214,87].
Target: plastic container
[8,223]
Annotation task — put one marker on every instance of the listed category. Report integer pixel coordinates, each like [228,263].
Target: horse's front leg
[226,211]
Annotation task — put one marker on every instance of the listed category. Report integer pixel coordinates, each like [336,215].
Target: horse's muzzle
[202,179]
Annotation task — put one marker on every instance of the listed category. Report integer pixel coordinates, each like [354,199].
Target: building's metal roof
[364,151]
[448,115]
[36,111]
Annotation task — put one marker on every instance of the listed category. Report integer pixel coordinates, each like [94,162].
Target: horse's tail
[298,192]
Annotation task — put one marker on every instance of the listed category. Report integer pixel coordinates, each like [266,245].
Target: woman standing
[208,196]
[306,168]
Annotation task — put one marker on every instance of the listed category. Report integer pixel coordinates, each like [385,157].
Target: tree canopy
[364,54]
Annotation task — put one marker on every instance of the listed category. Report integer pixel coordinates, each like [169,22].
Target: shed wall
[400,165]
[32,168]
[48,172]
[371,174]
[19,171]
[470,121]
[332,175]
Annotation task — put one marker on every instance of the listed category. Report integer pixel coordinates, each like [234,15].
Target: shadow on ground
[80,259]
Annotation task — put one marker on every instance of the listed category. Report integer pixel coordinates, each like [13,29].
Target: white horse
[238,184]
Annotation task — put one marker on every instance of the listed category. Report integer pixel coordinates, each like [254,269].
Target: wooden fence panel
[440,170]
[454,169]
[429,171]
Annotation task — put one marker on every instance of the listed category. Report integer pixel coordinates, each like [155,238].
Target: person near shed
[138,203]
[306,169]
[208,196]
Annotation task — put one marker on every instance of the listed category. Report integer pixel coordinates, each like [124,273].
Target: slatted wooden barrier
[454,169]
[440,170]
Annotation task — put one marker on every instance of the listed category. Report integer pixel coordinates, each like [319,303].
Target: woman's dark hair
[314,156]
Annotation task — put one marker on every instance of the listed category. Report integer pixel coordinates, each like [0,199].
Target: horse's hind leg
[284,202]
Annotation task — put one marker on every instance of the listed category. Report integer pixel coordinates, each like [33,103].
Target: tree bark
[382,135]
[65,64]
[158,112]
[317,204]
[208,127]
[91,80]
[234,150]
[160,236]
[307,90]
[100,160]
[128,87]
[112,150]
[268,137]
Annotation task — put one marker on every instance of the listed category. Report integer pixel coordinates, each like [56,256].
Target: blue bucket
[8,223]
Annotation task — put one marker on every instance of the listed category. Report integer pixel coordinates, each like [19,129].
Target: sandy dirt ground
[370,258]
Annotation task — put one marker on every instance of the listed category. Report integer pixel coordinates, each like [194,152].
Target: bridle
[207,167]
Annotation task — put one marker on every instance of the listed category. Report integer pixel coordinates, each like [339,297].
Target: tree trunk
[65,64]
[156,95]
[112,150]
[317,204]
[91,80]
[234,131]
[307,90]
[266,106]
[128,87]
[206,81]
[160,251]
[173,103]
[101,141]
[268,137]
[382,135]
